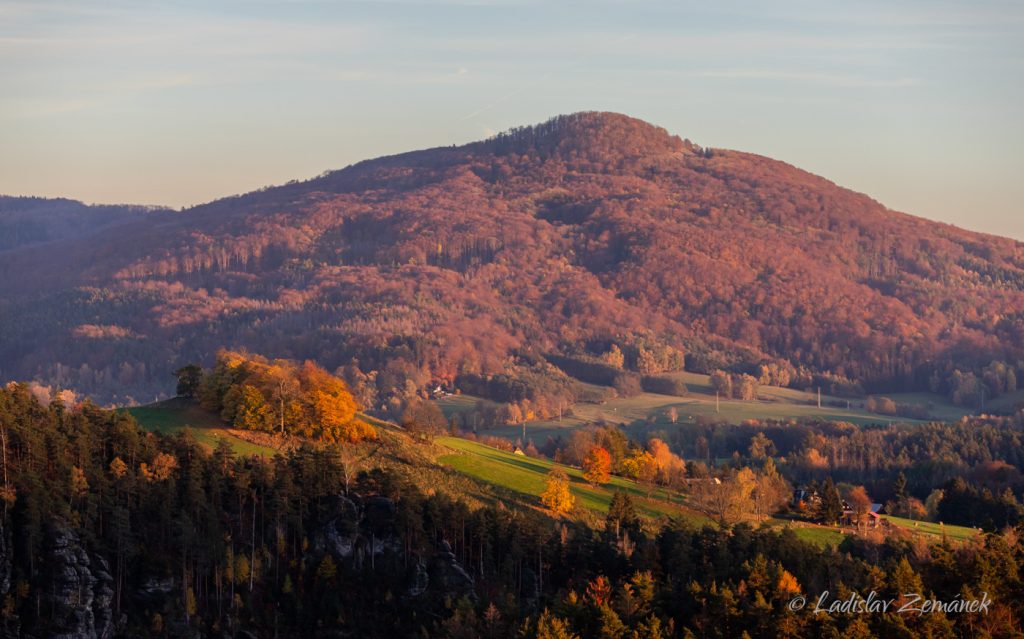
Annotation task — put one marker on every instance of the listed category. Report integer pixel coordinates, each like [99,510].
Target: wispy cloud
[147,33]
[837,79]
[434,75]
[95,97]
[703,43]
[958,15]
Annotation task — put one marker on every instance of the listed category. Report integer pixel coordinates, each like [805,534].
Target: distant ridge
[34,220]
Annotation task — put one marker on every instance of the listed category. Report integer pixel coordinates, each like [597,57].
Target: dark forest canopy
[111,531]
[589,229]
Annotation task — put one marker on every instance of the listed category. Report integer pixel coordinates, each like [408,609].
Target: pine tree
[899,487]
[622,514]
[189,379]
[831,507]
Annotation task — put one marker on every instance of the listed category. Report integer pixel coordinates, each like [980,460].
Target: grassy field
[174,415]
[931,532]
[527,477]
[819,535]
[650,411]
[523,476]
[1007,402]
[954,533]
[940,408]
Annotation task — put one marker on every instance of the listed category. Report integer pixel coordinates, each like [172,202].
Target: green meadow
[174,415]
[934,530]
[527,477]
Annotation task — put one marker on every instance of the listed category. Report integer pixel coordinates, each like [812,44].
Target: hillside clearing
[649,411]
[518,474]
[174,415]
[528,476]
[934,530]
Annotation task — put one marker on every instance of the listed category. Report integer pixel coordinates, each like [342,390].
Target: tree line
[251,392]
[112,530]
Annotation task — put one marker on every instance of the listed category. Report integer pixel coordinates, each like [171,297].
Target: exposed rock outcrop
[11,626]
[359,530]
[420,580]
[80,594]
[103,598]
[448,576]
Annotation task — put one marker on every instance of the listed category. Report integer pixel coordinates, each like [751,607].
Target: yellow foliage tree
[556,495]
[161,469]
[118,468]
[787,584]
[79,484]
[252,412]
[641,466]
[551,627]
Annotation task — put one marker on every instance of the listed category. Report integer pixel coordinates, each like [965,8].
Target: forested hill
[568,236]
[109,531]
[35,220]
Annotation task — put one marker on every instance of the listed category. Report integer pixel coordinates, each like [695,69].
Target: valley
[516,478]
[650,412]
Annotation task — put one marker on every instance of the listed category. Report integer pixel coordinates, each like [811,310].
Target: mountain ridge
[583,231]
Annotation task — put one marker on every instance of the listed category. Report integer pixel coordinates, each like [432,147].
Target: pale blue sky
[918,104]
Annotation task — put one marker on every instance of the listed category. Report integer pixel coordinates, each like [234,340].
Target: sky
[916,103]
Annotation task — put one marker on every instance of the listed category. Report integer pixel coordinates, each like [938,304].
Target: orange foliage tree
[597,466]
[671,469]
[253,393]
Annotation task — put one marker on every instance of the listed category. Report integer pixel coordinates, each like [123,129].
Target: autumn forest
[580,379]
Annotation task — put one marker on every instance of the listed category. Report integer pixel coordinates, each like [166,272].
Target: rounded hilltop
[588,133]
